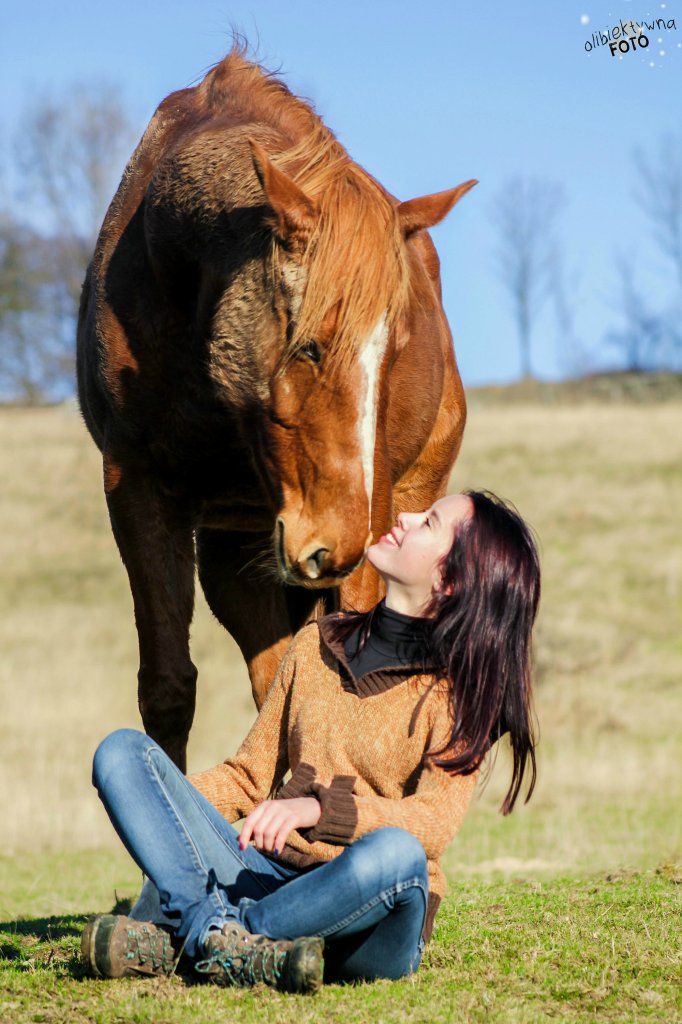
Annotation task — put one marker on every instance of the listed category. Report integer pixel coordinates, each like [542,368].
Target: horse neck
[237,352]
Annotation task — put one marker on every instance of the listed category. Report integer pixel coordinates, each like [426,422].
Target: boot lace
[149,947]
[247,962]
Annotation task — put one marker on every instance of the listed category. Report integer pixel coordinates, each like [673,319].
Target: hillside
[601,388]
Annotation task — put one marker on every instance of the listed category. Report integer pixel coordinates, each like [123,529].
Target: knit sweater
[355,744]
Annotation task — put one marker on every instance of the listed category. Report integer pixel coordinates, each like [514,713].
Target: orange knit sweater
[357,745]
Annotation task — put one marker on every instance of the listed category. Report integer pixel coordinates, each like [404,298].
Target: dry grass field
[602,485]
[527,934]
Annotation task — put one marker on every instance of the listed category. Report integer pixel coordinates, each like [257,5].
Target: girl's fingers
[250,822]
[268,825]
[245,835]
[258,837]
[283,834]
[271,829]
[262,825]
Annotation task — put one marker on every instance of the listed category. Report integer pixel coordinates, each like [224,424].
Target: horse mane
[356,258]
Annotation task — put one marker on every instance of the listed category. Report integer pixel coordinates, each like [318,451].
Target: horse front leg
[155,539]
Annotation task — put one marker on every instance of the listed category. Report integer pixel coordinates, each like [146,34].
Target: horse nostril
[315,561]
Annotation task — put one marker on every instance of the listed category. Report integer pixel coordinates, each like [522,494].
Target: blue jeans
[368,903]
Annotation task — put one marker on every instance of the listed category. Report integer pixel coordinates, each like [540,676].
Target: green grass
[596,948]
[532,929]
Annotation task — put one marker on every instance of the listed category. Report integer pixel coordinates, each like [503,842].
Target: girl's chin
[374,555]
[370,553]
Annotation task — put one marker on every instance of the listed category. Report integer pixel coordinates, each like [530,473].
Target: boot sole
[93,932]
[96,952]
[305,966]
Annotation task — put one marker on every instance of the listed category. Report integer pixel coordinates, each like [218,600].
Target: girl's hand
[270,823]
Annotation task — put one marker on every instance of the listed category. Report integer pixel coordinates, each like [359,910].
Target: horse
[264,363]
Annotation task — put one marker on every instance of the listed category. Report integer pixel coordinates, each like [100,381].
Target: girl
[383,720]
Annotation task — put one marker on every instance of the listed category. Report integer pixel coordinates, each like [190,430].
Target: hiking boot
[114,946]
[236,957]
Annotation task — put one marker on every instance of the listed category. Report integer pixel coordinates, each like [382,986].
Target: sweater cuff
[300,783]
[339,817]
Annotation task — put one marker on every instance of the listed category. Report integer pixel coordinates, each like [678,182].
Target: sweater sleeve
[433,813]
[239,784]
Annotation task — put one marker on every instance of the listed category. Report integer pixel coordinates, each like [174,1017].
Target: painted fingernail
[276,852]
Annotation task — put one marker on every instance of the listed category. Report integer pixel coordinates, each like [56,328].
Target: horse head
[311,283]
[343,299]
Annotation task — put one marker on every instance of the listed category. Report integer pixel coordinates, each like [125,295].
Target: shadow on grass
[46,929]
[43,944]
[51,929]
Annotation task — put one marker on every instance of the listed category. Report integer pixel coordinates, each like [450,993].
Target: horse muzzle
[315,563]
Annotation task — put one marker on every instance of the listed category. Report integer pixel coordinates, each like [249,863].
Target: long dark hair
[480,639]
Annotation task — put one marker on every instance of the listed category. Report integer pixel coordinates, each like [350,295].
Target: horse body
[264,362]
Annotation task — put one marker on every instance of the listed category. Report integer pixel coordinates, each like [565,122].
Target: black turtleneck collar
[394,640]
[363,680]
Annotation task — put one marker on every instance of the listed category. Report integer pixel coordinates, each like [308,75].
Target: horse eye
[312,351]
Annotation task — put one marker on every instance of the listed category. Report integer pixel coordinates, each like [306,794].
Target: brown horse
[264,362]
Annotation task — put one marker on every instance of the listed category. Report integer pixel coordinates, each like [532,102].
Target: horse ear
[294,213]
[418,214]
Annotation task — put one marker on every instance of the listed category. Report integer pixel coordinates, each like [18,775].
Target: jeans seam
[415,883]
[191,792]
[213,894]
[227,846]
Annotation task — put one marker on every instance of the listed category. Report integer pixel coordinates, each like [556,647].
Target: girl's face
[410,553]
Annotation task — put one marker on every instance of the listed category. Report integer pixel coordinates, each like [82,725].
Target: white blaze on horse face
[370,362]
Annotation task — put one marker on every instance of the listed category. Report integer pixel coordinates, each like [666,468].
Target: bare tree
[523,213]
[643,333]
[575,357]
[34,345]
[70,155]
[660,196]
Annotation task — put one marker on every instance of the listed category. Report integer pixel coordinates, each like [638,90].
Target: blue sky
[425,96]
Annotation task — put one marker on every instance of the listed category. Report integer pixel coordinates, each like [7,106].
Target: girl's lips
[388,539]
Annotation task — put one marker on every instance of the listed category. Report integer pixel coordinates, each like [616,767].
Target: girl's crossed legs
[369,903]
